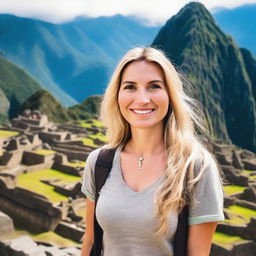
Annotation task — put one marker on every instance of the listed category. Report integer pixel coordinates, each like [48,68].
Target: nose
[142,97]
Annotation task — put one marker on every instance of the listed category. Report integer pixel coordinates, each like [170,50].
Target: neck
[145,142]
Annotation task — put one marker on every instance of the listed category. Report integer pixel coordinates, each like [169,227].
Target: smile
[142,112]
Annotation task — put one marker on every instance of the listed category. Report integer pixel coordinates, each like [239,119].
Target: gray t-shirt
[126,216]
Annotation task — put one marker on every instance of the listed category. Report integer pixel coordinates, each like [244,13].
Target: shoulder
[206,166]
[93,155]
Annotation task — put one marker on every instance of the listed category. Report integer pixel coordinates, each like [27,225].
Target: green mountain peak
[218,71]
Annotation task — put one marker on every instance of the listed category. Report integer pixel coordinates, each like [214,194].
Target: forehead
[143,70]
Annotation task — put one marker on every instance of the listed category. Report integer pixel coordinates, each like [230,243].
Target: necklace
[140,162]
[140,159]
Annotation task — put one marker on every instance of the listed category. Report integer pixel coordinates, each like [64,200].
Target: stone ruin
[37,214]
[20,155]
[25,246]
[6,224]
[233,161]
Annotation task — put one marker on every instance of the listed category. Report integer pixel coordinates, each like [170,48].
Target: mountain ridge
[15,87]
[59,55]
[211,60]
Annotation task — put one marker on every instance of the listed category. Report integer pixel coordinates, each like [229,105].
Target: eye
[129,87]
[155,86]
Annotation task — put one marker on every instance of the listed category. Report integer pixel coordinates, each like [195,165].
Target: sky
[153,12]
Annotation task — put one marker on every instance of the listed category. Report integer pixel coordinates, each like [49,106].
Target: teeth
[143,112]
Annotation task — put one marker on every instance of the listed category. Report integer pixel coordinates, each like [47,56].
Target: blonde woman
[160,164]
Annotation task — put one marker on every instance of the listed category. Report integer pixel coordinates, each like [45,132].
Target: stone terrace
[42,145]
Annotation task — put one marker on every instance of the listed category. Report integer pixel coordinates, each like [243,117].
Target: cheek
[123,100]
[162,100]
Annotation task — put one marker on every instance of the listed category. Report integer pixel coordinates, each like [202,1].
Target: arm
[89,233]
[200,238]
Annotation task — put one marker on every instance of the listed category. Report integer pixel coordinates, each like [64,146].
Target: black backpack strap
[181,235]
[102,169]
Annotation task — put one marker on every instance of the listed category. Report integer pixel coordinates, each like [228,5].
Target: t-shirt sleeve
[207,205]
[88,183]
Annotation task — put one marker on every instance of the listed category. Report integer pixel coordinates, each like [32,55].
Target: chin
[148,125]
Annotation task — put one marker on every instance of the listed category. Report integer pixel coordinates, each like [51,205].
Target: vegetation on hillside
[16,85]
[223,76]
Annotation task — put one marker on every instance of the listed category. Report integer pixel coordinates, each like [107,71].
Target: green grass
[53,238]
[233,189]
[6,134]
[99,136]
[243,211]
[44,151]
[78,164]
[86,125]
[225,240]
[239,215]
[236,219]
[42,237]
[31,181]
[95,122]
[248,173]
[88,142]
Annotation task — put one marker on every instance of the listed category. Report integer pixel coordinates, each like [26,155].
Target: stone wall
[30,209]
[6,224]
[33,158]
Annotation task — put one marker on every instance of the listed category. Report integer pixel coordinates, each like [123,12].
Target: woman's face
[143,99]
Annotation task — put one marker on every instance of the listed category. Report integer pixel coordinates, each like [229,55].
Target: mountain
[45,102]
[240,23]
[15,87]
[42,100]
[90,107]
[35,46]
[72,60]
[221,73]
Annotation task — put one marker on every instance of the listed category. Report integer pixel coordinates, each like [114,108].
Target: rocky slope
[222,75]
[45,102]
[41,165]
[15,87]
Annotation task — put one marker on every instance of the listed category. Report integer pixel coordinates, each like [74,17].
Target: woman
[160,164]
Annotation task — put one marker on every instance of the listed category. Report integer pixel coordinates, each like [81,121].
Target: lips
[142,111]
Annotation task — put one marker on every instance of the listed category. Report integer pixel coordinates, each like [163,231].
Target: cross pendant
[140,162]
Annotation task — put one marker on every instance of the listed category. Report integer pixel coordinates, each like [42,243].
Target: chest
[139,174]
[120,208]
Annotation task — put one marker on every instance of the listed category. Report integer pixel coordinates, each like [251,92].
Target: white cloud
[63,10]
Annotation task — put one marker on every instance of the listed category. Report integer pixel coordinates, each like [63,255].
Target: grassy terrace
[31,181]
[44,152]
[78,164]
[54,238]
[225,240]
[249,174]
[239,215]
[99,136]
[233,189]
[42,237]
[91,123]
[6,134]
[88,142]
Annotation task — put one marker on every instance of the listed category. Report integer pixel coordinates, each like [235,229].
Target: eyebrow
[150,82]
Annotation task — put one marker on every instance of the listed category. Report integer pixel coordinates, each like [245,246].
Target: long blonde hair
[184,146]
